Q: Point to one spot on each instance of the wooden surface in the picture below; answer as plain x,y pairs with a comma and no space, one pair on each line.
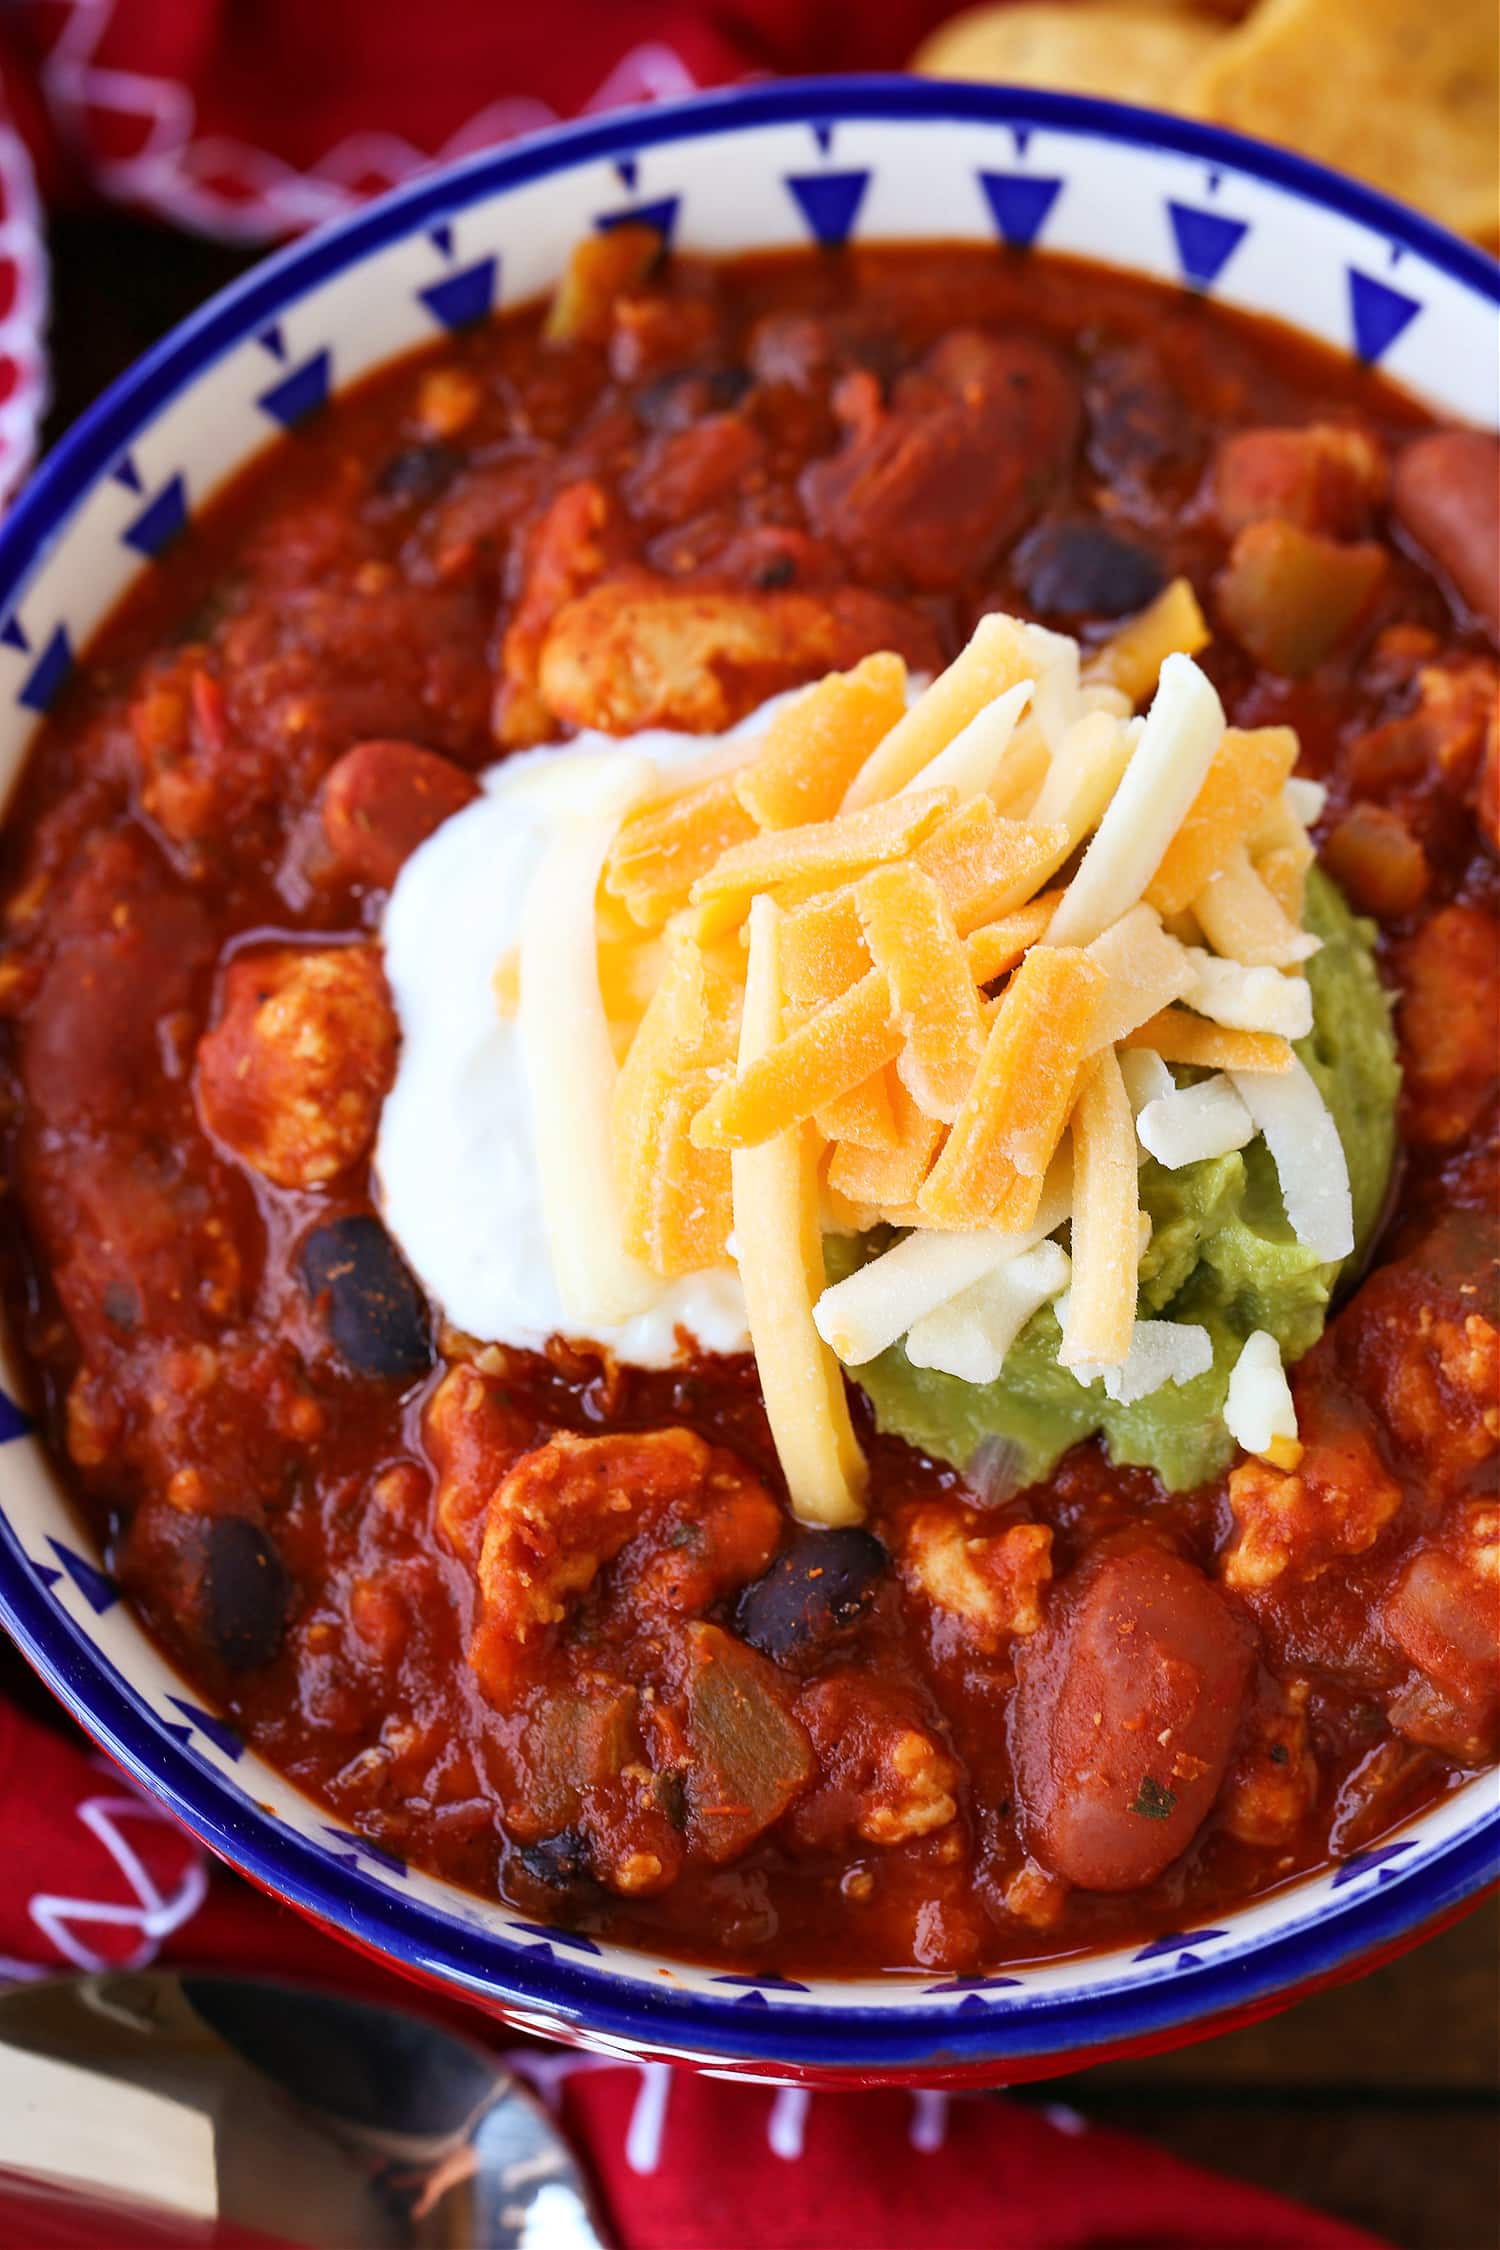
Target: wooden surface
1378,2101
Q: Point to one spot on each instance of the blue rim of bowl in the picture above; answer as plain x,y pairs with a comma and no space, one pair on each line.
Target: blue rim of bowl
487,1966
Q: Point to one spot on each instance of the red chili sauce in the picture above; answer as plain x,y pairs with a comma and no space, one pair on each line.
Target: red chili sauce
721,1734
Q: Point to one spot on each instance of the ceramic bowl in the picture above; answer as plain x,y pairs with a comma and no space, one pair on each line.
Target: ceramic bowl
824,162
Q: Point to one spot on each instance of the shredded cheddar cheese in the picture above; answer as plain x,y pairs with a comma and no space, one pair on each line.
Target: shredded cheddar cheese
928,966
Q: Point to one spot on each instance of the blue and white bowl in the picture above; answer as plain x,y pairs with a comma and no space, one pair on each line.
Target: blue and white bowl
870,160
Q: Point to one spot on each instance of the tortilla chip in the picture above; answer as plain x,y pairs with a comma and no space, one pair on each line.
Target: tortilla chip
1141,54
1403,93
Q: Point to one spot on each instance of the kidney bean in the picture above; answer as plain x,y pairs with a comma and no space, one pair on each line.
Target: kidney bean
812,1595
419,472
1447,497
382,800
1124,1717
377,1316
246,1592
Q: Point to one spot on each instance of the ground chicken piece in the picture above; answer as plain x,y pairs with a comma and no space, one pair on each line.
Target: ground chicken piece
1447,1019
637,653
1441,1391
882,1775
1273,1778
1441,737
181,747
991,1584
1336,1502
568,1507
565,553
473,1438
292,1076
1487,795
1035,1896
1441,1615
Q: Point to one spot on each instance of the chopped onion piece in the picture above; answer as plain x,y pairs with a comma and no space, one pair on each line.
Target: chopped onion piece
1244,999
860,1316
1258,1412
1193,1122
1183,729
1308,1154
970,1335
1161,1352
993,1470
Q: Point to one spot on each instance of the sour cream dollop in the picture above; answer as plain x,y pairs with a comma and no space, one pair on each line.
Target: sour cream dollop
456,1155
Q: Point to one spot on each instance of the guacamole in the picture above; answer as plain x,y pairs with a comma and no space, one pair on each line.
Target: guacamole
1221,1253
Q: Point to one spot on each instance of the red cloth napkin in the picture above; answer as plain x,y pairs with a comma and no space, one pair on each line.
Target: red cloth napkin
254,121
95,1876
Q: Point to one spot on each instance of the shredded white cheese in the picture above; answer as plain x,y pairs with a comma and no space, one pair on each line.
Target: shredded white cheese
970,1336
1194,1122
1304,800
1147,1078
1056,704
862,1315
1161,1352
975,759
1248,999
1183,729
1307,1152
1147,971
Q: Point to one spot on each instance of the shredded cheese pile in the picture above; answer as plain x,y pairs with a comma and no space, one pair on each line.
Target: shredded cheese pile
928,967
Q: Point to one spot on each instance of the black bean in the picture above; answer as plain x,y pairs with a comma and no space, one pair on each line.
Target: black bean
245,1592
377,1316
419,472
726,386
1086,570
674,402
560,1866
813,1594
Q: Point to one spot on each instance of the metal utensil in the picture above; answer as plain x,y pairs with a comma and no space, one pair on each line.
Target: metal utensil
281,2110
